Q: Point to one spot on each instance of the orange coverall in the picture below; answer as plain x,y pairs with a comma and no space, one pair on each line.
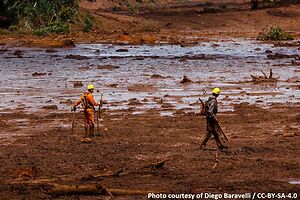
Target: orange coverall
89,108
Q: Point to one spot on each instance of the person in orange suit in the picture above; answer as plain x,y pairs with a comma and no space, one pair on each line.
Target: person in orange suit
88,104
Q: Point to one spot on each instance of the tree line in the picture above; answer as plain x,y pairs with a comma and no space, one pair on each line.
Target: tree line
38,15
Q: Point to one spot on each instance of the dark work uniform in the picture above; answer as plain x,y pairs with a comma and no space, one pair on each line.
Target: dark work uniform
211,123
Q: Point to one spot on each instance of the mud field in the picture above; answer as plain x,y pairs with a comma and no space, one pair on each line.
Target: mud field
152,66
150,129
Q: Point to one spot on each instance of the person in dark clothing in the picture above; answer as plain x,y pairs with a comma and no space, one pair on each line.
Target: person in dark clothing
212,126
254,4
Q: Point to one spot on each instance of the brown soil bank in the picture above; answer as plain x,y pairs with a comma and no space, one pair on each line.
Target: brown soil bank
181,25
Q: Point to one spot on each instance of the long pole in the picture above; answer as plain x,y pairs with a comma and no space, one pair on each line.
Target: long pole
98,116
73,121
219,127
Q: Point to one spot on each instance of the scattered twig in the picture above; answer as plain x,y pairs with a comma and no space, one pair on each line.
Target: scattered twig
264,73
216,162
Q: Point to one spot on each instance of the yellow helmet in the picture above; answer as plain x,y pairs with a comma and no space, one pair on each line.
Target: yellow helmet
90,87
216,91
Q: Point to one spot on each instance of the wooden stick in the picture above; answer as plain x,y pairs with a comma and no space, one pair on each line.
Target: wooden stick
271,74
264,74
216,162
63,190
93,189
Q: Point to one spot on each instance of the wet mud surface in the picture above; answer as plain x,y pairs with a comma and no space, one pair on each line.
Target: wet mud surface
150,117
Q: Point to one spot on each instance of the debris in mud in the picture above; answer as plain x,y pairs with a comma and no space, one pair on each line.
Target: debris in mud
76,57
195,57
216,162
51,50
167,105
291,131
295,63
133,101
55,189
26,173
159,76
215,45
268,51
3,50
67,101
50,107
157,165
39,74
122,50
264,78
142,88
290,135
182,60
186,80
282,56
113,85
108,67
77,84
68,190
86,140
18,53
68,43
293,80
84,68
156,76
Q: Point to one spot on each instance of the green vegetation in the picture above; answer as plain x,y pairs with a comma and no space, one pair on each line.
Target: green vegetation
274,33
88,23
56,27
40,16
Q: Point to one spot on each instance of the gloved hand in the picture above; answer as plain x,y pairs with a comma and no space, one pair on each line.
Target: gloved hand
73,108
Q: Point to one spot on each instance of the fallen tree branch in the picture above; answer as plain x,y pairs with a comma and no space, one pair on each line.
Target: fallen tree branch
64,190
264,78
93,189
56,190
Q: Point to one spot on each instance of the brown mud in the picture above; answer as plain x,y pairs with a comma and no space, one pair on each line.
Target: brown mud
150,129
262,154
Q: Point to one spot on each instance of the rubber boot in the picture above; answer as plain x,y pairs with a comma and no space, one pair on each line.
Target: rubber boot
86,131
92,130
219,143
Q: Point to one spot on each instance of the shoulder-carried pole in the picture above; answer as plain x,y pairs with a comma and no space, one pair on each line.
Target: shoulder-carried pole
73,121
98,116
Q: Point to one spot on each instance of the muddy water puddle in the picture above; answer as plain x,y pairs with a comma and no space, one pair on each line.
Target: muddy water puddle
151,74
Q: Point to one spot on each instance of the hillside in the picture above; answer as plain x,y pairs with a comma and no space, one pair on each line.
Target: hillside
178,22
